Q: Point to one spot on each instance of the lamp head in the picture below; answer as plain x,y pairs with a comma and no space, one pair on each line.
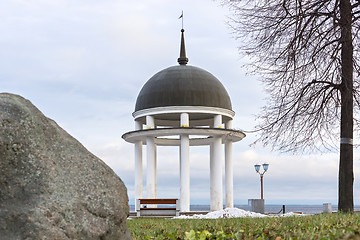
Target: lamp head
265,166
257,167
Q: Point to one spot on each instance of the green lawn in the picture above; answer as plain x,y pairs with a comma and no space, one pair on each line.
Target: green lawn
323,226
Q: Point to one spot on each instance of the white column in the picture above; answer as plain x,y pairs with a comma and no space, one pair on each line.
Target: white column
138,167
217,121
184,166
184,120
150,122
151,161
216,202
229,181
212,174
155,169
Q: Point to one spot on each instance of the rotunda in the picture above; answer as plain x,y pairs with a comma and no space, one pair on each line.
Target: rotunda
184,106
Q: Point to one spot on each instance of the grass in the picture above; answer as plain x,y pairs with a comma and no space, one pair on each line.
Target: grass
323,226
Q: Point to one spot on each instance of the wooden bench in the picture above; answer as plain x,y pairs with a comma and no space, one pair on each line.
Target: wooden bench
158,211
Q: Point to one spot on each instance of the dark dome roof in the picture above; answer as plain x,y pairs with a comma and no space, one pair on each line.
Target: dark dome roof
183,85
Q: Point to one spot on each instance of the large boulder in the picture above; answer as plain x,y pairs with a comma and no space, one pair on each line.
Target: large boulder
51,187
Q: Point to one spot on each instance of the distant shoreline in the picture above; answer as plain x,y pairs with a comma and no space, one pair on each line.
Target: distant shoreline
271,208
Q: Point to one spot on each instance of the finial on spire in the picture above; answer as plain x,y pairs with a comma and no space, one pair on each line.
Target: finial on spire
182,19
182,60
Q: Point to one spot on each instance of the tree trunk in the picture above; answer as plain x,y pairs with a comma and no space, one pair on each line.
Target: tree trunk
346,176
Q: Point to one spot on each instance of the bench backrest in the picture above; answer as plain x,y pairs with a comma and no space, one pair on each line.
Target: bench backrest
158,200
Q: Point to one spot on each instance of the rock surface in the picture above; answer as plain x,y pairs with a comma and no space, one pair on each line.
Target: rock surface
51,187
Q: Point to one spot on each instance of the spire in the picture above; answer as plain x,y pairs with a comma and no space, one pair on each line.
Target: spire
182,60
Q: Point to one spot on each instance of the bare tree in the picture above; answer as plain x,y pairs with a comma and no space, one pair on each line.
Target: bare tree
304,50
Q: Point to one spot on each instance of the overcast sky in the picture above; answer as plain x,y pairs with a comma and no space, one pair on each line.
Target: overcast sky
83,63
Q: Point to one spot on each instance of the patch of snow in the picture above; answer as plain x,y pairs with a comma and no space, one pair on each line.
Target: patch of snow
291,214
234,213
225,213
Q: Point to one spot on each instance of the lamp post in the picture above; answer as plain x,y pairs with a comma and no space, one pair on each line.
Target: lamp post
257,169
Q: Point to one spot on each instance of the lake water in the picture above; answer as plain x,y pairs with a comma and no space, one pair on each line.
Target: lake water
309,209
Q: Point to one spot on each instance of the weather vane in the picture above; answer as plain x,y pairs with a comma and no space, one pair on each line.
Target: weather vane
182,19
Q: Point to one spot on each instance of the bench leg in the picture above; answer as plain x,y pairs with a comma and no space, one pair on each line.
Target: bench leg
138,206
177,207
